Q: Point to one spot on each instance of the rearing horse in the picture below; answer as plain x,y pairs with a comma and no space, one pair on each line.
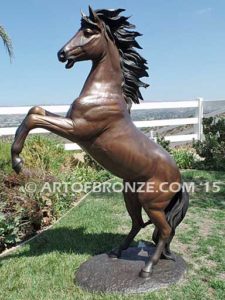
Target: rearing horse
99,121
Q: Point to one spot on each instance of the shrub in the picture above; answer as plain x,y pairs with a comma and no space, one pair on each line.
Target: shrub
43,153
184,159
89,161
40,152
212,149
20,216
163,142
22,213
9,228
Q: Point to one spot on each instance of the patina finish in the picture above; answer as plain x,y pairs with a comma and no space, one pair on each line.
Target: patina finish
99,121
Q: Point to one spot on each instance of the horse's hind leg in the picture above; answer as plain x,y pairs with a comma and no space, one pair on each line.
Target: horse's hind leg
134,209
166,254
155,210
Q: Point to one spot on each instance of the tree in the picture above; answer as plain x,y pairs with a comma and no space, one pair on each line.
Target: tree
7,41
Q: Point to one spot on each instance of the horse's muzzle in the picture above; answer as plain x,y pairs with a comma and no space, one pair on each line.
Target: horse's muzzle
62,56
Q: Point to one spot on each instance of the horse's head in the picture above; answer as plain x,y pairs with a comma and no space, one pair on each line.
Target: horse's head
105,31
87,44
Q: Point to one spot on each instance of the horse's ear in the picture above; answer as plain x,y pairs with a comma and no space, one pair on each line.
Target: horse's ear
82,14
93,16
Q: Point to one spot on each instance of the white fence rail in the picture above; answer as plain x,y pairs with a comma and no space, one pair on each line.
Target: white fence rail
196,121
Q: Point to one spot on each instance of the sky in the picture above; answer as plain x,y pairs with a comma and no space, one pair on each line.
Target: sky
183,42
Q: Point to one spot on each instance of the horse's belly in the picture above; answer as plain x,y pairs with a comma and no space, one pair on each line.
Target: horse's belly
128,153
122,158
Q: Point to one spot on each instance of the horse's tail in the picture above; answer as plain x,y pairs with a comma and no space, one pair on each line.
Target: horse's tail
175,212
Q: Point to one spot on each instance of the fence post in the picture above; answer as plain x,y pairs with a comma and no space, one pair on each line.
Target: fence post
153,136
199,127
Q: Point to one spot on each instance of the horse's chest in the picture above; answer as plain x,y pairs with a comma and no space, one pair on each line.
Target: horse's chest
76,112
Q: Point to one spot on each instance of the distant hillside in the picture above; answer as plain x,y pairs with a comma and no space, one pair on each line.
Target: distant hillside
211,108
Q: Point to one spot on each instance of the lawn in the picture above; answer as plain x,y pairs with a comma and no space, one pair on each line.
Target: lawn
44,268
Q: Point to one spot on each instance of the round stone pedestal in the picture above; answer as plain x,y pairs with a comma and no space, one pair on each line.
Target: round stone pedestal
104,274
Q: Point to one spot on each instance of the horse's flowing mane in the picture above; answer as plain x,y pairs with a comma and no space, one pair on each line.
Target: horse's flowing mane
132,63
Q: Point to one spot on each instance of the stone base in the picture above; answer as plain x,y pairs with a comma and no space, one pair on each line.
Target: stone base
104,274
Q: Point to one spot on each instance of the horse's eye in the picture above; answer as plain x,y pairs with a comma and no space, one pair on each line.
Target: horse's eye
88,32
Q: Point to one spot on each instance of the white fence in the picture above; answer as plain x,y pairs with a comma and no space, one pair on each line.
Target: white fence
196,121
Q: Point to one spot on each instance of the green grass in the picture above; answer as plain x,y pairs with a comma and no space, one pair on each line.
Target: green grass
5,159
44,268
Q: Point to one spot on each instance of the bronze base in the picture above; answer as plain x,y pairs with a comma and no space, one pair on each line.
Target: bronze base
103,274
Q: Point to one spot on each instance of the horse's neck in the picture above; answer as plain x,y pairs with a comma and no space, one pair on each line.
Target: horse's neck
105,77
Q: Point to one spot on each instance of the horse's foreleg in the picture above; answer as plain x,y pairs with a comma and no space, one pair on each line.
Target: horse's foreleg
38,111
61,126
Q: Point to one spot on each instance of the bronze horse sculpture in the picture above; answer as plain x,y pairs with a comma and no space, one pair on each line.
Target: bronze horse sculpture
99,121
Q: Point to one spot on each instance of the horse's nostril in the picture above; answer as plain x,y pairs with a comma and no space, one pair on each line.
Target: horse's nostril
62,56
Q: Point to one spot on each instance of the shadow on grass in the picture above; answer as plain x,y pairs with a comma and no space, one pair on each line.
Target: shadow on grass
66,240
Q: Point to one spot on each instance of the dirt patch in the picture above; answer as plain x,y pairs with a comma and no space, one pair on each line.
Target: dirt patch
184,250
221,276
205,226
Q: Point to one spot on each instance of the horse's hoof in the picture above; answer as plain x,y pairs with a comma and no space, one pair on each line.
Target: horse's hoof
17,164
114,254
168,255
144,274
